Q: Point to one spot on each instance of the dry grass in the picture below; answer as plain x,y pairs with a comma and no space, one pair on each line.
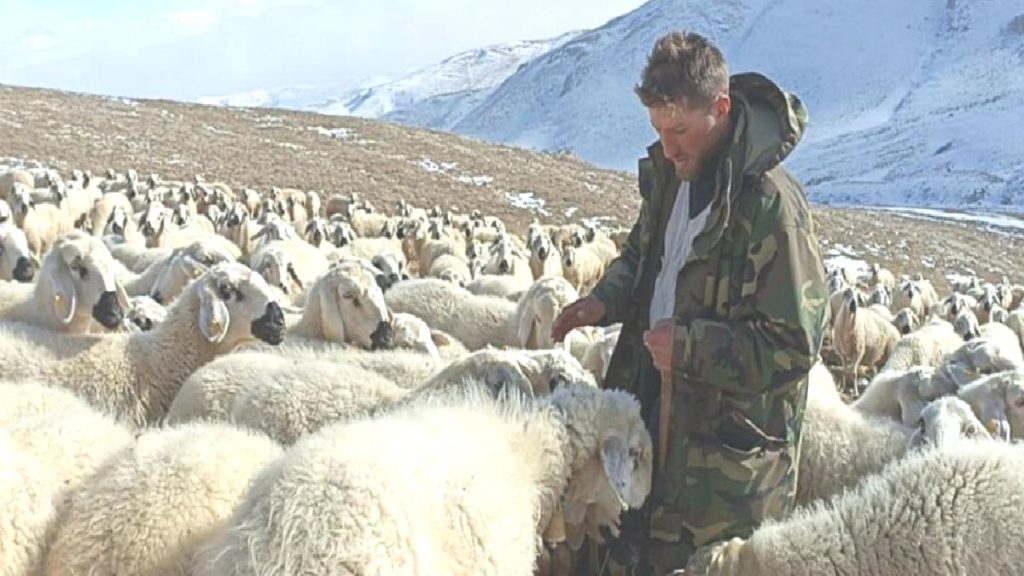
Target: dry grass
384,162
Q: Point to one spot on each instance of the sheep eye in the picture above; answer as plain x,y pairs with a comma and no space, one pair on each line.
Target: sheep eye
920,425
971,430
225,291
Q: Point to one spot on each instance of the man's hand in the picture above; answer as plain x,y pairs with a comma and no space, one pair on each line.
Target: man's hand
660,340
583,312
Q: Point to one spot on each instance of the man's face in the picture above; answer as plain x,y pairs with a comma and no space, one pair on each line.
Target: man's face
690,136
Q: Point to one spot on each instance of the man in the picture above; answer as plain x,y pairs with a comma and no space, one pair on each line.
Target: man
721,292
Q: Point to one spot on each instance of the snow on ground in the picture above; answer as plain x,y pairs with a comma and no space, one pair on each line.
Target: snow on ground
527,201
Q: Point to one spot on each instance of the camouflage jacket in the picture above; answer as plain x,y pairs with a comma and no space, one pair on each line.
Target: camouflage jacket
750,299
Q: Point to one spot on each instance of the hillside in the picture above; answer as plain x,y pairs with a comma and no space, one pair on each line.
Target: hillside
385,162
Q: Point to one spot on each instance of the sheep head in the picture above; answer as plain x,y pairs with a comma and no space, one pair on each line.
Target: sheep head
235,305
944,421
351,306
79,273
17,262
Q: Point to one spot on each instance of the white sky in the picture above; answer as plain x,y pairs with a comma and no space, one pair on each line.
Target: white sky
183,49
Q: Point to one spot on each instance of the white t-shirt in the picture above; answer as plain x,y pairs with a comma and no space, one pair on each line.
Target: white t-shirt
679,235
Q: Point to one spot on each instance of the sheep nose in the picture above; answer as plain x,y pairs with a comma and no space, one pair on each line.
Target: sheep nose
270,327
393,279
383,337
107,311
905,330
23,270
118,229
503,267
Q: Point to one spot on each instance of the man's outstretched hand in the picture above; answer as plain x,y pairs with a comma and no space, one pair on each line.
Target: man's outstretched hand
583,312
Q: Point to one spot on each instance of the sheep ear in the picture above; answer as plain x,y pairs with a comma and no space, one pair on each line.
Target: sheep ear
528,329
193,267
992,412
330,316
618,467
65,297
214,318
440,338
122,296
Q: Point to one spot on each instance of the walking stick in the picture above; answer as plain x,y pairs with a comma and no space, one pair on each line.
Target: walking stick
664,417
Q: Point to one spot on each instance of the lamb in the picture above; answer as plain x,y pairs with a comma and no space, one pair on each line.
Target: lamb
525,452
476,321
862,337
55,453
928,346
43,224
17,262
177,485
135,376
582,267
955,509
76,284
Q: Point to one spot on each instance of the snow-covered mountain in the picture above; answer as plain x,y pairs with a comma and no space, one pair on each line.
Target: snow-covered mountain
910,102
916,102
433,97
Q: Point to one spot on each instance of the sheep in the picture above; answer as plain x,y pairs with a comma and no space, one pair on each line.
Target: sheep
497,285
598,356
121,224
143,314
332,482
880,296
368,225
17,262
840,444
967,327
12,177
291,265
883,278
57,452
583,267
955,509
152,506
1015,322
928,346
346,306
909,295
476,321
135,376
76,284
392,269
906,321
545,257
451,268
101,210
43,224
998,398
161,232
210,392
184,265
506,258
136,259
298,399
542,303
898,394
413,333
862,336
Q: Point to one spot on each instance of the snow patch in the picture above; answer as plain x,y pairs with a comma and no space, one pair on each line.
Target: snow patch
527,201
475,180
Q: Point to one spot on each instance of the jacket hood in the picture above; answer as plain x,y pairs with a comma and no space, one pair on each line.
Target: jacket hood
774,121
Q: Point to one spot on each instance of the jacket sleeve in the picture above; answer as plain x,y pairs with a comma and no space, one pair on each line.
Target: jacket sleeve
615,288
776,339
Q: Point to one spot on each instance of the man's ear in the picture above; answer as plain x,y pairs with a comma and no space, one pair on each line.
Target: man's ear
721,107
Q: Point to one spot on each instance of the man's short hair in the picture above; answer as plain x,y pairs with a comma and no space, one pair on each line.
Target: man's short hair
683,67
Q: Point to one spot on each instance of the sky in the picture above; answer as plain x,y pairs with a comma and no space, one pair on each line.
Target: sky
184,49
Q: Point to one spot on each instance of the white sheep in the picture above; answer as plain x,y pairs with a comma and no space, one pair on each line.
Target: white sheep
898,394
60,442
183,266
906,321
150,508
862,336
545,257
136,376
927,346
12,176
451,268
42,223
392,269
582,267
955,509
17,262
104,206
506,466
476,321
882,277
542,302
413,333
291,265
76,284
998,399
497,285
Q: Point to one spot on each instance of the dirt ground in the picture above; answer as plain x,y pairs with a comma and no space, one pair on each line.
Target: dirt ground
384,162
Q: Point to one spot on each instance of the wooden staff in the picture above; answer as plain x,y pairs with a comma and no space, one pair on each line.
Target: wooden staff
664,417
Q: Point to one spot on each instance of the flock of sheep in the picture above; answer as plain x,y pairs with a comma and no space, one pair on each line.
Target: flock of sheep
208,381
